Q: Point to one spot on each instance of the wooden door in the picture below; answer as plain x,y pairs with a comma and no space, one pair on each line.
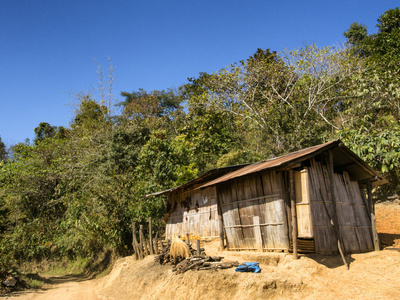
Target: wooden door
303,210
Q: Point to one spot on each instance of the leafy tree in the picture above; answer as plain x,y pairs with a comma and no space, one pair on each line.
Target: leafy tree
3,150
141,104
356,33
373,132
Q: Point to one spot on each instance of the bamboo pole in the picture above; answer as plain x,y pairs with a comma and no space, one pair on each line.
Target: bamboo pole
373,220
293,212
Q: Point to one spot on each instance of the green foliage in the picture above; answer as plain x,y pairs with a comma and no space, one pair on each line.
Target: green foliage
356,33
75,191
237,157
3,151
379,147
389,21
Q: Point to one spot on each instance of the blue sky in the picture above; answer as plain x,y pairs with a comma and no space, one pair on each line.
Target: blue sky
47,48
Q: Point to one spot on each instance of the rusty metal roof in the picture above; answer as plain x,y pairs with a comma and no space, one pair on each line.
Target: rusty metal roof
296,157
209,175
343,158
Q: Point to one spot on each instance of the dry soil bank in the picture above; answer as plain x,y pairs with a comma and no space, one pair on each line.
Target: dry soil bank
374,275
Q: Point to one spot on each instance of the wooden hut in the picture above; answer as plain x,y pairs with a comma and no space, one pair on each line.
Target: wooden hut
314,200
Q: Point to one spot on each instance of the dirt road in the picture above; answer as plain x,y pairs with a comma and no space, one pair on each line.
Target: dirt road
63,288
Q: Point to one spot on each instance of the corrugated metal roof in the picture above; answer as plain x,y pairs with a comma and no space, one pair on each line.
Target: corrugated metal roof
288,159
343,158
209,175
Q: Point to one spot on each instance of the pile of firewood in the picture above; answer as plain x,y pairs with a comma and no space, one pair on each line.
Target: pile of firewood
198,260
203,263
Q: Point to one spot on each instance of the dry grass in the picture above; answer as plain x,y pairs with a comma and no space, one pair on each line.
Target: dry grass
179,248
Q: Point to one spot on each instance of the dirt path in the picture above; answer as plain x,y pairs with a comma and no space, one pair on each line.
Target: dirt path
63,288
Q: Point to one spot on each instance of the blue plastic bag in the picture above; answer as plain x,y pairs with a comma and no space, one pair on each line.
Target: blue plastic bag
249,267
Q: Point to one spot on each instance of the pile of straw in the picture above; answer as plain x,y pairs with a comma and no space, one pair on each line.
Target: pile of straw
179,248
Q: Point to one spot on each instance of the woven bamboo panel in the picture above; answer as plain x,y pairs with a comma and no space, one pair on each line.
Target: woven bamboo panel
195,213
253,212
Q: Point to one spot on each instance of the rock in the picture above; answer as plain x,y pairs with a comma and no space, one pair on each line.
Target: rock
10,281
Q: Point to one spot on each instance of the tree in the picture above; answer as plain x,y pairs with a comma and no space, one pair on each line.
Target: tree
142,104
3,150
356,33
283,95
373,132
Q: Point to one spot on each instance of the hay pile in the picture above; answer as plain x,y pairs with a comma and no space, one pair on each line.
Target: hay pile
179,248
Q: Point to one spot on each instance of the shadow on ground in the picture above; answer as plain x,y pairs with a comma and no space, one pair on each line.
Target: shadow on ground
388,239
331,261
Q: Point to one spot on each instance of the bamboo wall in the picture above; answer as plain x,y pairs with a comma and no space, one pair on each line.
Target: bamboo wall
253,211
353,217
202,222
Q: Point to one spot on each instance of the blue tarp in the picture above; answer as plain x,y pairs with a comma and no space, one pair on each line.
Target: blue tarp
249,267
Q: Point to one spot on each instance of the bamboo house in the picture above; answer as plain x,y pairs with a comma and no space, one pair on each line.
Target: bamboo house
314,200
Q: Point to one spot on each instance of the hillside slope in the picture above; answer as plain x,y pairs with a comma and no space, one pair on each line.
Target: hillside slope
374,275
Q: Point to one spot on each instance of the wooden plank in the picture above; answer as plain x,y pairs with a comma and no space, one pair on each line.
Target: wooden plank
150,237
344,215
253,225
303,211
334,218
224,196
221,224
267,212
280,212
373,221
293,211
257,233
324,237
244,219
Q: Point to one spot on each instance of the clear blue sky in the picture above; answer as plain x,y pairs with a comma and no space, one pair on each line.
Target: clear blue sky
47,47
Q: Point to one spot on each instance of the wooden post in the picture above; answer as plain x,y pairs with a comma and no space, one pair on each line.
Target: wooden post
143,241
150,237
135,243
155,242
334,214
220,223
198,247
373,221
187,239
293,212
